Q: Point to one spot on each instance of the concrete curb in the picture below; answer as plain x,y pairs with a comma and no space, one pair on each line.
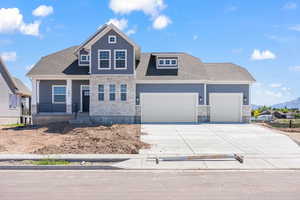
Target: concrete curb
55,167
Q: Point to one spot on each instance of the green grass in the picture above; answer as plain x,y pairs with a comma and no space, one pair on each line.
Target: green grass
14,125
50,162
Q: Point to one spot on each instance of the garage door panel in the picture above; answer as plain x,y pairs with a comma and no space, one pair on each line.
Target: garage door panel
168,107
225,107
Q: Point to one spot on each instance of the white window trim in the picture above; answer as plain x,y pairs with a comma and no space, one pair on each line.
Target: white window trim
112,36
85,55
17,105
123,92
167,66
125,50
80,60
109,59
109,92
53,102
101,93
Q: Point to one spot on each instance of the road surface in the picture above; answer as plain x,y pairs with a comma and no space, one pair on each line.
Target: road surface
105,185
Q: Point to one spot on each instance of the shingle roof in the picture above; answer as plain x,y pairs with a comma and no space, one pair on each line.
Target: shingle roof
65,62
22,89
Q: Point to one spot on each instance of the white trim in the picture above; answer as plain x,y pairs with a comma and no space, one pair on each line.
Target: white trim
109,59
167,66
53,102
205,96
115,50
81,88
69,96
38,91
191,81
112,36
90,63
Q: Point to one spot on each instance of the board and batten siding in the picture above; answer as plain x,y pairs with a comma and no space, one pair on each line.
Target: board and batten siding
103,44
228,88
76,92
171,88
45,104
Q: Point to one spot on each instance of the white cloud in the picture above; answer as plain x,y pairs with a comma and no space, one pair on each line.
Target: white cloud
8,56
119,23
262,55
295,27
275,85
295,68
42,11
11,20
149,7
195,37
131,32
290,6
29,67
161,22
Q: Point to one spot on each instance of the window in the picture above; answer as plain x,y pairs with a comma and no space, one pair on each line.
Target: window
104,59
123,90
85,58
120,59
161,61
101,92
112,92
59,94
112,39
13,101
167,61
173,62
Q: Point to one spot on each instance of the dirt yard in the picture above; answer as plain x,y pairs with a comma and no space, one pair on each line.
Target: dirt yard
63,138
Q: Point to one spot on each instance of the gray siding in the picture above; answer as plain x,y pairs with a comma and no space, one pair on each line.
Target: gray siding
45,104
228,88
76,92
171,88
102,43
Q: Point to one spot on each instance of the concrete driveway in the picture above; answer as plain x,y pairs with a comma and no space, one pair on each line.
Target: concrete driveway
246,139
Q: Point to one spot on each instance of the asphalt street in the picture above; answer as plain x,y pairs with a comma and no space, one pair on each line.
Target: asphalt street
158,185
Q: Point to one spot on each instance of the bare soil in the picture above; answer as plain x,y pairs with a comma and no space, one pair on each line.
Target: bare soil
63,138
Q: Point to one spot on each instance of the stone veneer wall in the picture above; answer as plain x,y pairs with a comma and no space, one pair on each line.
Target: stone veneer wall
246,114
109,112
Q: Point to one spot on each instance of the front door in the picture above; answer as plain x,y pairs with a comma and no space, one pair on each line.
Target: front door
85,92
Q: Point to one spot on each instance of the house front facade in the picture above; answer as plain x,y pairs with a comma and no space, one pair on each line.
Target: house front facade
109,80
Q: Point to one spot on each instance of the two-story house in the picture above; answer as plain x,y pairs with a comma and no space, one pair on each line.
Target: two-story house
109,79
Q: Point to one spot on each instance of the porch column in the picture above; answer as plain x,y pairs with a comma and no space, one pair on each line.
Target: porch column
35,96
69,96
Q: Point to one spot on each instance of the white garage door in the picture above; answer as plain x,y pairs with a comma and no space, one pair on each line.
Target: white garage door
225,107
168,107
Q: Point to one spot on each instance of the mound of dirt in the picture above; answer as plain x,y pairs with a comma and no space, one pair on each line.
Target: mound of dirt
116,139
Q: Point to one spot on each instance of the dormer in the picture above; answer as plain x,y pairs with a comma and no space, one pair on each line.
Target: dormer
83,58
167,62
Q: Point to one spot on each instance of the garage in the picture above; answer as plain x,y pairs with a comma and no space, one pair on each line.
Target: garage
168,107
225,107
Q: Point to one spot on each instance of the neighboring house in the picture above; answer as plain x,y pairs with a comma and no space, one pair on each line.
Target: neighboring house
112,81
14,98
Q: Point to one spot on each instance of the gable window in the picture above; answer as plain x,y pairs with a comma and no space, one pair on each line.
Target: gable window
58,94
161,61
120,59
101,92
112,92
123,92
84,58
104,59
167,62
112,39
13,101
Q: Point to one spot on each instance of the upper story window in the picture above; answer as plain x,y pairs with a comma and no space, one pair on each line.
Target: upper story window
101,92
121,59
104,59
58,94
112,92
112,39
167,63
84,58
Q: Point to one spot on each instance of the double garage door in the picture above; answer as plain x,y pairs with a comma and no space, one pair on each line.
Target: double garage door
182,107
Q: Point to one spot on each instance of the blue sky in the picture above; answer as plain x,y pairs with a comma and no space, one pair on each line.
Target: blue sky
262,36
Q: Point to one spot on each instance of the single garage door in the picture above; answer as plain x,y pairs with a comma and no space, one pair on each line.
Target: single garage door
168,107
225,107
